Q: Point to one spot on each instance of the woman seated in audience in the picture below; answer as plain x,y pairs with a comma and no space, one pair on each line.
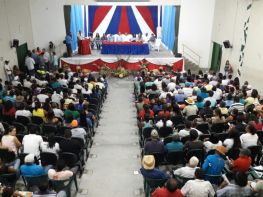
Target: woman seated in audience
46,105
229,100
163,122
51,145
154,90
200,74
193,142
207,109
218,118
9,109
252,99
83,121
94,93
168,98
147,123
68,120
250,138
252,119
212,143
163,112
200,120
71,110
38,111
88,114
233,141
233,116
175,111
16,70
51,120
158,107
86,90
199,104
10,139
222,107
145,110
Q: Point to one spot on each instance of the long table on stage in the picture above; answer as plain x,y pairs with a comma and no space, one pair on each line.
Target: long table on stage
84,47
133,48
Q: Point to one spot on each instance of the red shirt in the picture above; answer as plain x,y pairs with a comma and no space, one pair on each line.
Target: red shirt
141,114
242,164
145,100
12,111
167,113
163,192
258,127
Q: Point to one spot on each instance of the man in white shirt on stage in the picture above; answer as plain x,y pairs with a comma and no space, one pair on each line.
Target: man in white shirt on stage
119,38
80,36
146,37
126,37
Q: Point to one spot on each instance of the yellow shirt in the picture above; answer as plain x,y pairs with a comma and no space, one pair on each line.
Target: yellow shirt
93,83
90,86
39,112
249,101
101,85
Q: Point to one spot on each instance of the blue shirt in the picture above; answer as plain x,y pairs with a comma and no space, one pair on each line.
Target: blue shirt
119,38
157,108
154,174
32,170
173,146
222,87
111,38
56,85
242,101
229,103
203,95
10,98
199,105
68,39
35,57
198,91
211,166
179,97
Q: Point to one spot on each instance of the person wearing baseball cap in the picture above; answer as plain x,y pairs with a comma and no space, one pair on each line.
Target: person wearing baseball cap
239,188
149,171
242,163
214,164
78,132
154,145
30,168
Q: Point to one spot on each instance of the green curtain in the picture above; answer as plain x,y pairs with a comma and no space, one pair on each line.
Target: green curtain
67,17
177,19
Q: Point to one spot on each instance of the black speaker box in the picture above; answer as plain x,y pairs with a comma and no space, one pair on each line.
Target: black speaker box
227,44
178,55
15,43
65,54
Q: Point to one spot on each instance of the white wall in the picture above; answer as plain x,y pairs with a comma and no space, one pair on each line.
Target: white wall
15,23
48,23
94,2
195,30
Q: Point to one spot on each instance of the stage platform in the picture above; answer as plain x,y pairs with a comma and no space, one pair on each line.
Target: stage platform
155,58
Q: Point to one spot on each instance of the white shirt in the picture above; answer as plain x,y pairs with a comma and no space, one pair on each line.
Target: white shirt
79,132
209,145
77,86
190,110
198,188
84,91
25,113
213,83
32,143
171,86
225,82
8,68
46,56
126,38
56,98
30,63
63,82
42,82
15,83
42,97
44,147
158,84
248,140
27,84
163,95
146,38
186,172
159,124
80,36
211,99
183,132
188,92
58,113
228,143
119,38
217,95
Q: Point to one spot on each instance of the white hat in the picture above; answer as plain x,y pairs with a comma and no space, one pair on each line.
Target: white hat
193,162
29,158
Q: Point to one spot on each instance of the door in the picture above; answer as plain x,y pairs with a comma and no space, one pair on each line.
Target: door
21,52
216,57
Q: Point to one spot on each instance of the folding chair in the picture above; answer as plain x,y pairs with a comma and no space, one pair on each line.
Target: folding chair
159,158
223,136
8,118
10,179
175,157
48,158
31,181
152,184
255,150
19,127
233,153
204,128
182,180
202,137
184,139
177,120
63,129
49,129
37,120
83,144
167,140
218,127
23,120
199,153
165,131
192,117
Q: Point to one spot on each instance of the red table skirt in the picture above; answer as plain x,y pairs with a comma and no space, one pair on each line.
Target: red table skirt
129,43
84,47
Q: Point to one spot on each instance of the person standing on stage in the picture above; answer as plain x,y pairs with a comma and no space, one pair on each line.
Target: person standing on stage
80,36
68,44
46,58
119,37
111,37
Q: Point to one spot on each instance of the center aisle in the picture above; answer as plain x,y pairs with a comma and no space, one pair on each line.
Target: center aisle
113,156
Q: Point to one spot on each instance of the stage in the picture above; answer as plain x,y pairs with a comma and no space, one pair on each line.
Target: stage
156,59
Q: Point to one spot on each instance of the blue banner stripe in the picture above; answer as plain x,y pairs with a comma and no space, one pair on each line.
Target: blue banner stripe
161,16
85,22
154,13
115,21
134,26
92,11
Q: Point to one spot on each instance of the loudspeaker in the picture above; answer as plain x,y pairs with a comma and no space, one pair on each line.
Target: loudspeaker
178,55
227,44
65,54
15,43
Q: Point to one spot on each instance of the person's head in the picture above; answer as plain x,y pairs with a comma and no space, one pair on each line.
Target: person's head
251,129
11,130
61,164
68,133
146,117
210,93
229,97
245,153
8,105
69,118
43,185
50,115
119,33
234,112
254,93
33,130
240,178
171,185
199,174
71,107
234,134
218,112
207,104
148,162
6,62
8,192
176,109
176,137
187,124
154,134
30,159
214,138
193,162
54,105
193,134
199,99
236,99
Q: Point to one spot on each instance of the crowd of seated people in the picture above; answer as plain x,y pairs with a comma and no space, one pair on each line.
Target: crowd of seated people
213,120
57,117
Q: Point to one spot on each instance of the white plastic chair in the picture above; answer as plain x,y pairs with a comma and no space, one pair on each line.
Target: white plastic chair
157,44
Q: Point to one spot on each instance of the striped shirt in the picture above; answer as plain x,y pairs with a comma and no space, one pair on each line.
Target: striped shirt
234,190
239,106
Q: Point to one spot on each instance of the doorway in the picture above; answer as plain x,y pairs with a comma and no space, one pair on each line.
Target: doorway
216,57
21,52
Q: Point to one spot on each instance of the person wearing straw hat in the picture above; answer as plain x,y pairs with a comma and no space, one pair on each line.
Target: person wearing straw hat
191,108
238,189
214,164
149,171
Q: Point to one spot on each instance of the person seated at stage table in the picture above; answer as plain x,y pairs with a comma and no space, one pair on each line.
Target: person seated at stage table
146,37
151,42
98,41
80,36
140,38
111,37
104,38
126,37
119,38
92,41
133,39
